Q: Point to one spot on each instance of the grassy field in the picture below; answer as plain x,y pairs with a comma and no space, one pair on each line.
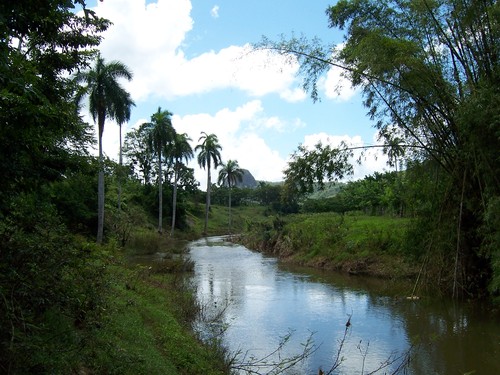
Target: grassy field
218,220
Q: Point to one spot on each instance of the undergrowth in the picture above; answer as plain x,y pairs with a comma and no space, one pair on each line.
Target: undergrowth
355,243
146,326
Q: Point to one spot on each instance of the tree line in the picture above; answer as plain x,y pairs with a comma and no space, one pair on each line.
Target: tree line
430,77
56,198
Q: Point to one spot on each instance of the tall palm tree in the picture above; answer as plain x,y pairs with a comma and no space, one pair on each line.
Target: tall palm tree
181,150
209,152
160,137
229,175
107,100
122,116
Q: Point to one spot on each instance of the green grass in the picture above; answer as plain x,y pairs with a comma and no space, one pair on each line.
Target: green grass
146,329
218,219
353,242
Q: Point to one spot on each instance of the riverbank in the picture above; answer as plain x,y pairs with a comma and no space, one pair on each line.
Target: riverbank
355,244
145,327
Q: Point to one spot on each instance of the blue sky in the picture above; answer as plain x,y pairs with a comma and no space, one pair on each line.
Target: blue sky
194,58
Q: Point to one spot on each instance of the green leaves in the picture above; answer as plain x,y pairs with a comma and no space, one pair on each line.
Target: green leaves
310,168
230,174
429,74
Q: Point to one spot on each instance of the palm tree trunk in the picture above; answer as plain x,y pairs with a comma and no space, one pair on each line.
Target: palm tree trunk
207,207
120,162
229,203
174,200
160,195
100,189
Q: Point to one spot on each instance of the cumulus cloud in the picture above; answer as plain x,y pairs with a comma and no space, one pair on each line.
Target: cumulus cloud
233,128
335,84
293,95
214,12
149,39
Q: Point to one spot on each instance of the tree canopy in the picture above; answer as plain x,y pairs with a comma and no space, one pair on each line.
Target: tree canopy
107,100
430,78
43,268
208,156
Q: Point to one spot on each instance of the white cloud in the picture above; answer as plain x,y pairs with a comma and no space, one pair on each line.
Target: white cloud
336,86
215,11
149,39
293,95
240,67
234,132
274,122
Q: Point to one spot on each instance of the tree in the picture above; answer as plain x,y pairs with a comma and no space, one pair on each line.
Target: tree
181,150
229,175
139,155
308,168
123,115
269,194
44,269
107,100
208,153
160,135
429,70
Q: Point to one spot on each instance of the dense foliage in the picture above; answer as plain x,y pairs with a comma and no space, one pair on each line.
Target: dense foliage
430,77
433,89
49,278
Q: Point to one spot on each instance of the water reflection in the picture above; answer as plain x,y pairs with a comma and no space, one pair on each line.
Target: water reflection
263,302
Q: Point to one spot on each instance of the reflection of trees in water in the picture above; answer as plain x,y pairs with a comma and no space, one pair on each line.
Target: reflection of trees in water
449,337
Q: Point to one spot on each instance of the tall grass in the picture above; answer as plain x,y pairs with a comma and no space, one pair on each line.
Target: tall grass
354,243
146,328
218,220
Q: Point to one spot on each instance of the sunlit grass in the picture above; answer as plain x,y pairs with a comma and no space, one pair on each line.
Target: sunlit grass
355,242
218,219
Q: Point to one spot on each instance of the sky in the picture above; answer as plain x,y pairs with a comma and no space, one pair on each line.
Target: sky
194,58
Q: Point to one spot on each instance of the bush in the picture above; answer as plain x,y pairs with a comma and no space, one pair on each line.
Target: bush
51,284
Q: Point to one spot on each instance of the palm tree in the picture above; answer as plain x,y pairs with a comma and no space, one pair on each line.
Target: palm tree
122,116
181,149
160,137
229,175
107,100
209,152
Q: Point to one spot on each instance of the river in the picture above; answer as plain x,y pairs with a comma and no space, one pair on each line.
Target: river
266,314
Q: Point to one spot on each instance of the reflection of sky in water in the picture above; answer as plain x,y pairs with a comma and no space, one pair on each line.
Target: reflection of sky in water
265,303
